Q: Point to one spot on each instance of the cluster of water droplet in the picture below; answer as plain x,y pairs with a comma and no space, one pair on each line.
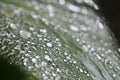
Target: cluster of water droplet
58,40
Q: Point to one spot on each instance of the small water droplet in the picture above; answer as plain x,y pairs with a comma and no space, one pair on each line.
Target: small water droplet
62,2
18,47
118,49
13,26
114,75
65,60
98,56
43,30
50,10
34,60
81,70
43,63
47,58
101,26
67,57
65,54
25,34
58,70
74,28
53,74
88,74
49,44
74,62
73,8
31,28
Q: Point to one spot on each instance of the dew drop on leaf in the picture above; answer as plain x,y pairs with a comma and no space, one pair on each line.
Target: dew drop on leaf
13,26
25,34
62,2
47,57
49,44
34,60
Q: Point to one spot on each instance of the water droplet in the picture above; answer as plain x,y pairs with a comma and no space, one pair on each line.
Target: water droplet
74,28
65,60
62,2
53,74
13,26
73,8
47,58
43,30
50,10
31,28
25,34
101,26
58,70
49,44
74,62
114,75
98,56
18,47
88,74
118,49
35,16
67,57
81,70
34,60
43,63
17,11
65,54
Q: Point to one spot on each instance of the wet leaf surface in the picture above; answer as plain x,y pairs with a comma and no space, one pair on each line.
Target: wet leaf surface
58,40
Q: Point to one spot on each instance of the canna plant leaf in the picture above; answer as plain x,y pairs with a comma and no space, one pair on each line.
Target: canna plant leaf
56,40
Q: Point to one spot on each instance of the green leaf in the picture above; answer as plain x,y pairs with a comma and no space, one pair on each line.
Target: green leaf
56,40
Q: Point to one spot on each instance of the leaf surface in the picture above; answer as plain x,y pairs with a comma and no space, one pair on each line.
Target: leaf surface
58,40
